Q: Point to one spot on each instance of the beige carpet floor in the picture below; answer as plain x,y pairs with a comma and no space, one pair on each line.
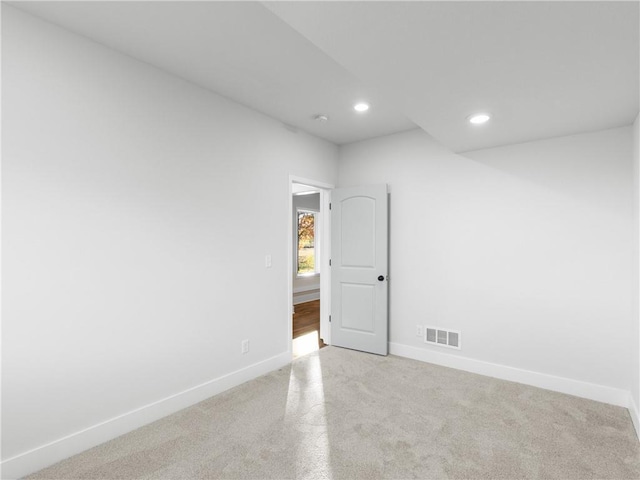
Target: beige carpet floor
346,415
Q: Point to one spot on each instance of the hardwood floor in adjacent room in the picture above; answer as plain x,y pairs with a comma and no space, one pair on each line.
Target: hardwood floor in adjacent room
306,328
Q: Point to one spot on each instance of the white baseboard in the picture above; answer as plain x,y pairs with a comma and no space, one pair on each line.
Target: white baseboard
635,415
591,391
307,297
58,450
306,288
307,293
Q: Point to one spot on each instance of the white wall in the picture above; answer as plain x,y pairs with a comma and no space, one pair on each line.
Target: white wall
305,288
526,249
137,210
635,331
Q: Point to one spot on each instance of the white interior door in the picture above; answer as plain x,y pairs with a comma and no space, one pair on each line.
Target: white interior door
359,268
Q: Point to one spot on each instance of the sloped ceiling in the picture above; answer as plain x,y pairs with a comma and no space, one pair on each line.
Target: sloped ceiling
239,50
541,69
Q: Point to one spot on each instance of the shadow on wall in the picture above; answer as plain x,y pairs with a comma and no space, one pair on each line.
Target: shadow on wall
585,170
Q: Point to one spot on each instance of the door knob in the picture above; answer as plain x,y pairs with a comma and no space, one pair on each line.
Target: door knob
380,278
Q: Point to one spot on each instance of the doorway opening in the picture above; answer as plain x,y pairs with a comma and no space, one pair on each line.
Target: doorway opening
309,293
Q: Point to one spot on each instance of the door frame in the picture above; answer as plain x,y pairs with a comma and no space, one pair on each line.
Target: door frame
325,256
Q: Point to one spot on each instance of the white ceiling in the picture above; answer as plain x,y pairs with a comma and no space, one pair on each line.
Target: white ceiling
542,69
240,50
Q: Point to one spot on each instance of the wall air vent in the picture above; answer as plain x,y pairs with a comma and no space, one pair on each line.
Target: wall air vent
441,337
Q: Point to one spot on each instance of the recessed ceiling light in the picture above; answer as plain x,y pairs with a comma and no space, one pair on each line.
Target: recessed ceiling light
479,118
361,107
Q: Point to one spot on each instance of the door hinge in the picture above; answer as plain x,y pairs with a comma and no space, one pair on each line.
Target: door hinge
329,262
329,205
329,318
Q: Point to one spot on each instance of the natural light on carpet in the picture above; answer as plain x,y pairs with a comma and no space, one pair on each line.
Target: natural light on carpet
306,415
305,344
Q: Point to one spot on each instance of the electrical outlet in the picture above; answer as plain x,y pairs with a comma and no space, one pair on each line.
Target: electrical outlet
419,331
244,346
267,261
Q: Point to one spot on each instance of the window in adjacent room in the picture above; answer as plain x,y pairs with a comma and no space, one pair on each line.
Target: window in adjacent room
307,243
